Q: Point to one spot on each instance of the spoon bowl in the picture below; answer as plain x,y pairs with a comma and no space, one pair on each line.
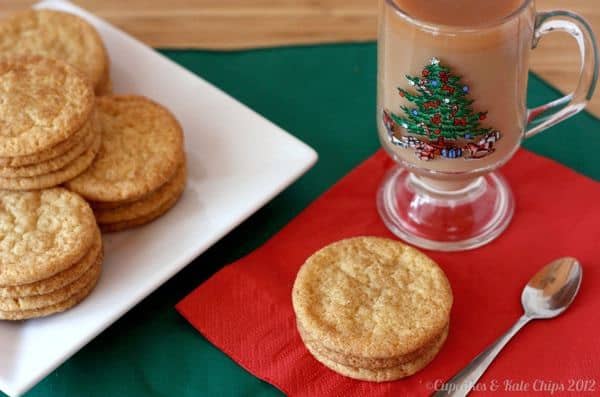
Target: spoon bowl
552,290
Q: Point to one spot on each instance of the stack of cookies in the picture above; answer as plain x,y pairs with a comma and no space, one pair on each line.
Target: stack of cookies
125,153
50,245
47,129
140,170
372,309
58,35
50,252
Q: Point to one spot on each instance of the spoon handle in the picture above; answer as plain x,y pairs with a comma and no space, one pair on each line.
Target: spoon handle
462,383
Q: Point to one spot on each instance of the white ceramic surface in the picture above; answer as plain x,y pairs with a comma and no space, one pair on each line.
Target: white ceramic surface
228,181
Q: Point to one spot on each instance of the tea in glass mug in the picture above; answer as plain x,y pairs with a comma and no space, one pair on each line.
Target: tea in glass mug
451,109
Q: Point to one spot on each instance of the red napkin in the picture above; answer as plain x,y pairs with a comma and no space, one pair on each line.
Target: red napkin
245,309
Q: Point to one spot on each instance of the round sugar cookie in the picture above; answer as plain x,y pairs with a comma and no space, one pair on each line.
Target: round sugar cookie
33,302
372,297
57,35
59,280
55,178
142,147
53,152
57,163
52,309
383,374
146,205
42,103
42,234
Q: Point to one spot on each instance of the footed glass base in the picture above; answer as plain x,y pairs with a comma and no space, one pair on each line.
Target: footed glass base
445,220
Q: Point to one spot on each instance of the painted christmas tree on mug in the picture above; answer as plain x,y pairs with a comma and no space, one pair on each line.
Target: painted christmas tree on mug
442,122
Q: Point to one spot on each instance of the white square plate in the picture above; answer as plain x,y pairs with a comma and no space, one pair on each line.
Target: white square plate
228,181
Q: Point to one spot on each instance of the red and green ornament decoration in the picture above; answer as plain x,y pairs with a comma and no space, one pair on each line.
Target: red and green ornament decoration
442,122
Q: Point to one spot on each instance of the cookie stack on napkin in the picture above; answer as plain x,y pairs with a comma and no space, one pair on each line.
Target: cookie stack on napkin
140,171
372,309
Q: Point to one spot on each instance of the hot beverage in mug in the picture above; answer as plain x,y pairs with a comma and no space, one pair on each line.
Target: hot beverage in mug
452,86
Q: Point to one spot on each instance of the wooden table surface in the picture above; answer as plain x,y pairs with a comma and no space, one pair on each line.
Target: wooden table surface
240,24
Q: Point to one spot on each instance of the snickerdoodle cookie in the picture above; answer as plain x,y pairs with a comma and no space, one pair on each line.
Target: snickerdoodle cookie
42,234
50,252
43,102
372,308
58,35
140,171
142,148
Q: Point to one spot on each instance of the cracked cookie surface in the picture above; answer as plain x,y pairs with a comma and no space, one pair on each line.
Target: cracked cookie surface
42,233
142,147
42,103
57,35
372,297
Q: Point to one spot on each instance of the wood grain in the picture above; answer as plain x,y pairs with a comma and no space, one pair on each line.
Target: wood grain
241,24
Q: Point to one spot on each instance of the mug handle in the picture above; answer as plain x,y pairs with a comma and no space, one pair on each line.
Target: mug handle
550,114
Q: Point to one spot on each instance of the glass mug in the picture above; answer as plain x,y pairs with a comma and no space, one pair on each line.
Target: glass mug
451,109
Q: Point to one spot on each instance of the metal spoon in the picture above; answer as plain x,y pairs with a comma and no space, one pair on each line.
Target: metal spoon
548,294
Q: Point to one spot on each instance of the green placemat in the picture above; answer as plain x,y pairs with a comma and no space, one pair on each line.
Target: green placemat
325,95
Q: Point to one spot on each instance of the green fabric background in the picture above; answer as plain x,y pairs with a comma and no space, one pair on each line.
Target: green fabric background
324,95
